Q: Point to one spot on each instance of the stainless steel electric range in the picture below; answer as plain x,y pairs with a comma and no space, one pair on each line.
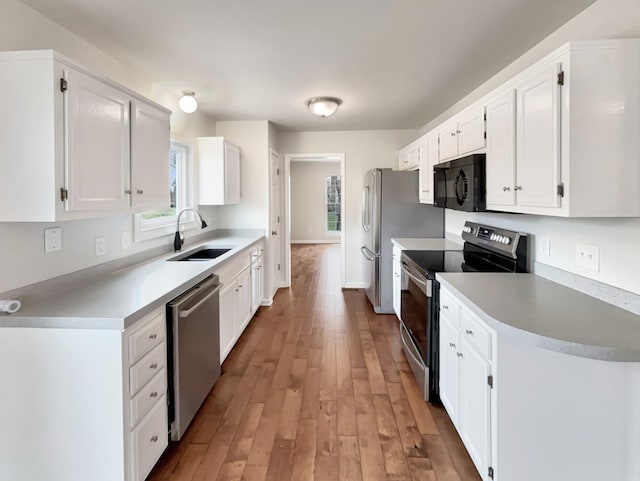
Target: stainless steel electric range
486,249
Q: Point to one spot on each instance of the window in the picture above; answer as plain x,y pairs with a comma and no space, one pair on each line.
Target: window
149,225
334,198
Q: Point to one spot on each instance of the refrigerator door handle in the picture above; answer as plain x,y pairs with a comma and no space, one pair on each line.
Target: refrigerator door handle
365,209
370,256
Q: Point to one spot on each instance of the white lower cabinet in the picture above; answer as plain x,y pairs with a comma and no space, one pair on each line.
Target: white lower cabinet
397,280
94,407
465,378
240,296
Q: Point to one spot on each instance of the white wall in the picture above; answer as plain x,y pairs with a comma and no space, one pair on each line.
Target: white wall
22,247
253,210
617,238
364,150
308,201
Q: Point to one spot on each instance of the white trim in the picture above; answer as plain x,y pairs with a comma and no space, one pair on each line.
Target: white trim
324,241
329,157
354,285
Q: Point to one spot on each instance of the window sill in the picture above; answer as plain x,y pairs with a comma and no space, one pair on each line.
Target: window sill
154,232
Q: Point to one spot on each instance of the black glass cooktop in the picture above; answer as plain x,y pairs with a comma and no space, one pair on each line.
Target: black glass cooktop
430,262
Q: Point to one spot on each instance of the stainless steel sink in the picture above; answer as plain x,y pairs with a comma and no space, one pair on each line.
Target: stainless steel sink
204,253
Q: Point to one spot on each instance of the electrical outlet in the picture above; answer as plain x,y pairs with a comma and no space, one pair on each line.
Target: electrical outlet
53,239
101,246
543,246
125,240
588,256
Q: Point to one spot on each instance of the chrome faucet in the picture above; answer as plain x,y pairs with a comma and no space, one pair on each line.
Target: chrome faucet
178,240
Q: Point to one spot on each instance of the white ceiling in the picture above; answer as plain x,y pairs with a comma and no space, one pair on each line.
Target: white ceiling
395,63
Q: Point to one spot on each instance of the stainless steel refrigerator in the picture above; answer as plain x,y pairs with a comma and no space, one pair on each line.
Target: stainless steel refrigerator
390,208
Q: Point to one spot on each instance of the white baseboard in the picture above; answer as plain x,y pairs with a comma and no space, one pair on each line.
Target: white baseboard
337,241
266,302
354,285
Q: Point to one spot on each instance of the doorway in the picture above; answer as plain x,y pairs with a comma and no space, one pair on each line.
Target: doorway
326,196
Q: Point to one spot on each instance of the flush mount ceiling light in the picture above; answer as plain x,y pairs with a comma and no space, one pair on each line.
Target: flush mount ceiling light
323,106
188,103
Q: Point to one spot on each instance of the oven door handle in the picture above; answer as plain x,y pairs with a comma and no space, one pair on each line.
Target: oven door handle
424,284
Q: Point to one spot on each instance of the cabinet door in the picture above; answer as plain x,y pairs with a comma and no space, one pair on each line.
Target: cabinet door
448,135
538,163
97,145
243,301
403,159
150,141
428,158
471,131
231,174
413,156
475,404
227,319
397,283
501,149
449,369
255,286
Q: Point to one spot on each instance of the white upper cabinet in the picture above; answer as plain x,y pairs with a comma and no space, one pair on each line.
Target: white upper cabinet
150,144
463,134
71,142
538,163
97,160
409,157
218,171
428,146
501,150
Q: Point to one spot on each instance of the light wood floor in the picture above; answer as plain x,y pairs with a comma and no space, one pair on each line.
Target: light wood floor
317,388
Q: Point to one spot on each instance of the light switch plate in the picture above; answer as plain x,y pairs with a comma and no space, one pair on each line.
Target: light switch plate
101,246
53,239
125,240
588,256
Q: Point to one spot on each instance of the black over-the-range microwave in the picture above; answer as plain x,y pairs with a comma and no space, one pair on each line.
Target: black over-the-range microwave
461,184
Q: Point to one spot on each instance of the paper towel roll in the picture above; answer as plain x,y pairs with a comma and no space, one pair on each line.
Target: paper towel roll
10,305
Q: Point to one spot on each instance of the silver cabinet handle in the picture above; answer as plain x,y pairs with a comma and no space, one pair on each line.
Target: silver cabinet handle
370,256
506,189
459,354
469,331
154,438
154,365
154,394
273,232
128,191
517,187
451,344
453,134
153,336
444,306
140,191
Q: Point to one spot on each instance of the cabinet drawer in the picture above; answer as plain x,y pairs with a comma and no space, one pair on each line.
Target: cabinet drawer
147,367
147,337
473,330
149,440
449,307
142,403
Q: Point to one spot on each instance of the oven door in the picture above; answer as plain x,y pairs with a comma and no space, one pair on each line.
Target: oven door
414,302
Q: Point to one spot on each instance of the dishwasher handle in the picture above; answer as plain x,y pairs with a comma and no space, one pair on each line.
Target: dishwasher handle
188,312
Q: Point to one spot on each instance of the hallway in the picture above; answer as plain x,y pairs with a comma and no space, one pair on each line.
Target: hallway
317,388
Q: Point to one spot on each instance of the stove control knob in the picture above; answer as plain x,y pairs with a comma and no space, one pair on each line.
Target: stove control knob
499,238
493,237
507,241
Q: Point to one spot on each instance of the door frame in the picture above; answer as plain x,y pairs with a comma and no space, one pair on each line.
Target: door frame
333,157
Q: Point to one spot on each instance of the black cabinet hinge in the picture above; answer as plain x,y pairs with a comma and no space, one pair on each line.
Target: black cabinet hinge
560,189
561,78
485,135
485,116
490,472
277,171
490,381
63,85
64,194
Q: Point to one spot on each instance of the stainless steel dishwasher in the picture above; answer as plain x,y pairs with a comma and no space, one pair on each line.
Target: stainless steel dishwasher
193,351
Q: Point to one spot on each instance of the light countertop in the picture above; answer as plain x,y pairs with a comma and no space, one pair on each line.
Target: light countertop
426,244
548,315
118,299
